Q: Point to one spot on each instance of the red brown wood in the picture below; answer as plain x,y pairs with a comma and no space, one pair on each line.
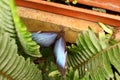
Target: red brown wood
113,5
71,11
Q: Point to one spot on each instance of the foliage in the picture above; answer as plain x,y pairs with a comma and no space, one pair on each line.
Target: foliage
14,38
94,57
13,66
11,23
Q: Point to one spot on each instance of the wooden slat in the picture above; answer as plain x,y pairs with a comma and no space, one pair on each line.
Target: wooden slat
113,5
71,11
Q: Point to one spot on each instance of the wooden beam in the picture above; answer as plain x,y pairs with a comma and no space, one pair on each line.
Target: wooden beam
71,11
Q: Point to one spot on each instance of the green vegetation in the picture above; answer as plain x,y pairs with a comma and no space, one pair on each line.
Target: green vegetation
11,24
92,57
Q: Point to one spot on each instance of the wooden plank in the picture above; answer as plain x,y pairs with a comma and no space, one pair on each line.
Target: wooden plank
113,5
71,11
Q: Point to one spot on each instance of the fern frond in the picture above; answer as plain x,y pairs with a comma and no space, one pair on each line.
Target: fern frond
13,66
11,23
117,76
94,56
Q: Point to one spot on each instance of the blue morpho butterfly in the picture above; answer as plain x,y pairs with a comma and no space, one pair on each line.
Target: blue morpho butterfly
60,55
44,39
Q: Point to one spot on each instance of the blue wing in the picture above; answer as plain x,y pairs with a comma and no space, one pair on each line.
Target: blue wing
60,54
44,39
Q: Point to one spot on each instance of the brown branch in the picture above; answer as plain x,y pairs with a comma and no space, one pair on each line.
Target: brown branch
6,76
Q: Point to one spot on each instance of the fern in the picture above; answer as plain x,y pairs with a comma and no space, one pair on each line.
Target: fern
13,66
117,76
11,23
94,56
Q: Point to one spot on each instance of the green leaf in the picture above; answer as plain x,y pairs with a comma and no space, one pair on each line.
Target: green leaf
11,23
13,66
117,76
74,1
76,75
94,56
108,30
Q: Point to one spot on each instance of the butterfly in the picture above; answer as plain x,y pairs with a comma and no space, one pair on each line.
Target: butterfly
60,55
46,39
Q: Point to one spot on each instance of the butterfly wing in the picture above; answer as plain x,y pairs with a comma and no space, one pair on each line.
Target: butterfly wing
44,39
60,55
